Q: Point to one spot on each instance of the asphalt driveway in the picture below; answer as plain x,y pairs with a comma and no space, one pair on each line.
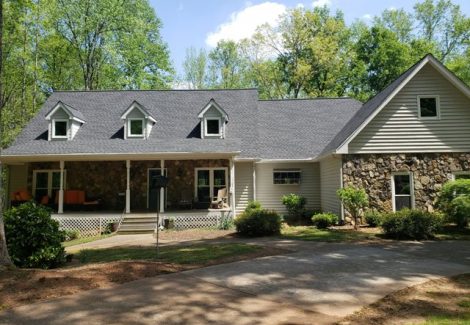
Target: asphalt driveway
316,284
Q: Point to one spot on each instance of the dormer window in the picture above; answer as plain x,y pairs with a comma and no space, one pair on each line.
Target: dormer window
64,122
138,122
135,127
213,119
212,127
59,128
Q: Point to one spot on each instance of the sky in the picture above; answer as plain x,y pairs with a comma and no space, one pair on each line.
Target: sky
202,23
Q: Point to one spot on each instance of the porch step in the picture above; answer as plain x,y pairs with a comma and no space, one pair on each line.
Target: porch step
138,224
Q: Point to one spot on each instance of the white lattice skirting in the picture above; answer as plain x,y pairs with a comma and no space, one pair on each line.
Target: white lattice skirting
210,220
86,226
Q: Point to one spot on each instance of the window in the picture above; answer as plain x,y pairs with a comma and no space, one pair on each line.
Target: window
135,128
402,191
59,128
209,181
286,177
46,182
212,126
428,107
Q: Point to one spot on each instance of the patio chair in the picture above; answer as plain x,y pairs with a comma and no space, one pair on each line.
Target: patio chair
186,200
220,201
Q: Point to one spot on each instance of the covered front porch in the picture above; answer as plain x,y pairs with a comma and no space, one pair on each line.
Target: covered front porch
127,186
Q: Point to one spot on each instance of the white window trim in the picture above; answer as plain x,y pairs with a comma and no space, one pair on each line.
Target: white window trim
412,189
438,108
49,179
54,136
211,179
206,134
287,171
460,172
129,134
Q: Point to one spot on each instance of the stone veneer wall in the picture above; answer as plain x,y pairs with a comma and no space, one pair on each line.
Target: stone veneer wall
106,179
430,171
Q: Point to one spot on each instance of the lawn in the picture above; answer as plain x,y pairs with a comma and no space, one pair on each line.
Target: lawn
84,240
444,301
197,254
453,233
311,233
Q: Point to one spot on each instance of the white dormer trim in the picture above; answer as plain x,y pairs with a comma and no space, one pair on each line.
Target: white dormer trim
61,105
213,103
136,105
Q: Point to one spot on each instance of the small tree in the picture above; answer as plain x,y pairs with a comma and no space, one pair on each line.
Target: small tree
295,205
354,200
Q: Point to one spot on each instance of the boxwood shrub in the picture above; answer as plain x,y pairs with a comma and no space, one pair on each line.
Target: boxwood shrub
258,222
33,237
411,224
324,220
454,201
373,218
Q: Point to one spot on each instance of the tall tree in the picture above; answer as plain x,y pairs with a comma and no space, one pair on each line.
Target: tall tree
195,68
4,256
227,67
398,21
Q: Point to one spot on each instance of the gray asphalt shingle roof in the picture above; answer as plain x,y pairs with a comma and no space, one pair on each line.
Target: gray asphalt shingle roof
278,129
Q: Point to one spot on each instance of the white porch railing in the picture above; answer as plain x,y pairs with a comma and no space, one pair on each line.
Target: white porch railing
87,226
193,221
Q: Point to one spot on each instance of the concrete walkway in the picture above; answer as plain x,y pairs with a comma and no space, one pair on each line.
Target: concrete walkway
316,284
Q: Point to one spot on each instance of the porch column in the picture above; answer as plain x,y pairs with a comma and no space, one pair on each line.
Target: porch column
61,188
232,186
128,186
162,190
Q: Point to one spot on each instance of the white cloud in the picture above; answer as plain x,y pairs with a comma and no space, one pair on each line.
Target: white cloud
321,3
243,24
367,17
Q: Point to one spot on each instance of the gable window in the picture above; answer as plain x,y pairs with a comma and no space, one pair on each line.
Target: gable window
428,107
402,191
212,126
135,128
59,128
286,177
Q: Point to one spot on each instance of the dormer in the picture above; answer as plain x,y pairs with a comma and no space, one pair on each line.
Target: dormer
213,119
64,122
137,122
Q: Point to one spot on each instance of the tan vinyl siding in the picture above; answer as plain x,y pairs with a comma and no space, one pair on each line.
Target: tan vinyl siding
270,195
330,179
18,179
243,185
135,113
397,127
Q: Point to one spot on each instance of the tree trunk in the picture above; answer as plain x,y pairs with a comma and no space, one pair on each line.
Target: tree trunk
4,256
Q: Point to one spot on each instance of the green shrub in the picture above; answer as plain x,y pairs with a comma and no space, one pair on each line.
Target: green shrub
225,224
295,205
324,220
411,224
258,222
253,205
33,237
71,234
454,201
354,200
373,218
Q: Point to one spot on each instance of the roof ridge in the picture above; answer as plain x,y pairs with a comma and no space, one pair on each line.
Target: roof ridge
299,99
151,90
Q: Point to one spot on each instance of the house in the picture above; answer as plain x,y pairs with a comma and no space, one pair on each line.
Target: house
401,146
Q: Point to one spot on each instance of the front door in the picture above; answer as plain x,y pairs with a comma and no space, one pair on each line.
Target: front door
153,195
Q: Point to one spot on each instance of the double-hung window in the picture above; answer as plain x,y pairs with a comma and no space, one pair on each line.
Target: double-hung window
287,177
402,191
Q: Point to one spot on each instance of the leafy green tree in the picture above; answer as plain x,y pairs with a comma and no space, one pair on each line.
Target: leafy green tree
355,200
398,21
227,67
195,68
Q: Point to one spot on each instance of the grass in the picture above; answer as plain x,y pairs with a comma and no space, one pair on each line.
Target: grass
453,233
462,319
84,240
196,254
328,235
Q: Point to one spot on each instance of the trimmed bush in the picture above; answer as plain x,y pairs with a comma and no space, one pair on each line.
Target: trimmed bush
454,201
295,205
324,220
258,222
355,200
33,237
411,224
373,218
71,235
253,205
